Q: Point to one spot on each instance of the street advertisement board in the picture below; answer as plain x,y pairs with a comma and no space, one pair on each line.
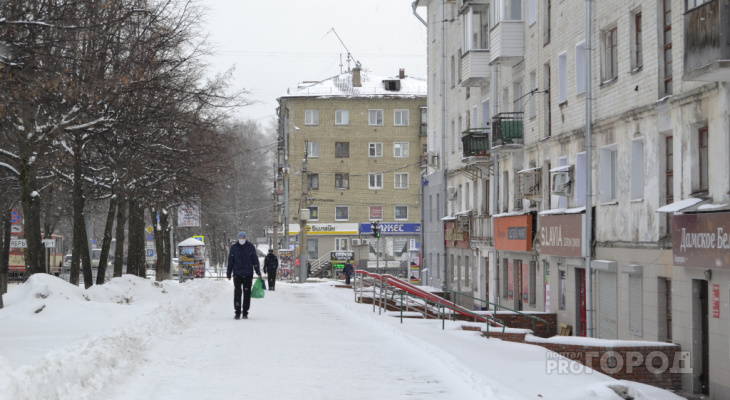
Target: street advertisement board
287,263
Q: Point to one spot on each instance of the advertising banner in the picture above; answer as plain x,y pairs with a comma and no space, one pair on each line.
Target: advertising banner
701,240
513,233
188,215
562,235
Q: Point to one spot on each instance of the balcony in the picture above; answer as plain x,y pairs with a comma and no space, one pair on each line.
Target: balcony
706,45
507,129
507,43
475,68
476,142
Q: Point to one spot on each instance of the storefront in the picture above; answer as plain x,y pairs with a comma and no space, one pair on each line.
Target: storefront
561,238
395,250
517,266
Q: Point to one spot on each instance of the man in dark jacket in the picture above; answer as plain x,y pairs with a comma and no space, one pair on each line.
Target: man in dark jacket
242,261
349,270
271,264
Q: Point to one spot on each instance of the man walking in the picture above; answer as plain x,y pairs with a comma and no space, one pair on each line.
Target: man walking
271,264
242,261
349,270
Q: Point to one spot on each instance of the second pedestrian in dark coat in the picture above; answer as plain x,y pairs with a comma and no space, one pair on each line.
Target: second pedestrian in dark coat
349,270
271,264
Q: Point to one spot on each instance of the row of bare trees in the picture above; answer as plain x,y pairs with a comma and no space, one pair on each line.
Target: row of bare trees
106,100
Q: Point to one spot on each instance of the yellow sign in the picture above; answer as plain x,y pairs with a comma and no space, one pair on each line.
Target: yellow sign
148,228
201,238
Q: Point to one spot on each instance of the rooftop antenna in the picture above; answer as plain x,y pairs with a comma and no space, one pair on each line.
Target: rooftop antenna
349,55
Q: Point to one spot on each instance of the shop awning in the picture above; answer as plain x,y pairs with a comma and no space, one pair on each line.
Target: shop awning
680,205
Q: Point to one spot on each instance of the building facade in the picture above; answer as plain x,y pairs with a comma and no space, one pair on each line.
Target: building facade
359,136
641,254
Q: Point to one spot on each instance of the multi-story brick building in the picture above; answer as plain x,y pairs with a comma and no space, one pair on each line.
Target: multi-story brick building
508,129
362,135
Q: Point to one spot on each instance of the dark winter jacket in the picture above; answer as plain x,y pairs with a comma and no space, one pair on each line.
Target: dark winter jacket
242,260
271,263
349,269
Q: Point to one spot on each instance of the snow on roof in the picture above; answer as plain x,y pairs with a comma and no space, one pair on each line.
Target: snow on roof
712,207
191,242
679,205
511,214
528,170
372,86
564,168
576,210
465,212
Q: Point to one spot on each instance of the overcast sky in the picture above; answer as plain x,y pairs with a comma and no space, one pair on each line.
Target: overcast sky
276,44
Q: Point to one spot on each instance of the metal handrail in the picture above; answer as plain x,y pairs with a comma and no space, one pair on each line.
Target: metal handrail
534,318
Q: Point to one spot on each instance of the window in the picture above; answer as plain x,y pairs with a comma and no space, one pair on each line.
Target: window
669,177
311,117
342,117
453,136
636,305
400,118
610,68
546,32
342,181
401,180
376,180
476,28
517,94
561,301
313,149
342,149
313,180
342,244
702,142
533,283
580,68
467,270
375,117
608,173
580,179
505,278
533,97
637,169
562,77
695,3
401,212
532,10
375,149
666,41
313,213
453,72
376,212
342,213
637,58
400,149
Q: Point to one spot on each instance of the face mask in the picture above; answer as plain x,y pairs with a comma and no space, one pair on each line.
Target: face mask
241,241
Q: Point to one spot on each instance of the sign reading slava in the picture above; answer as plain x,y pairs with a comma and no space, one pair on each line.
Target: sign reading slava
701,240
562,235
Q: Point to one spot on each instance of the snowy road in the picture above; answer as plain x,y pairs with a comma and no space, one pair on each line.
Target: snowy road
298,343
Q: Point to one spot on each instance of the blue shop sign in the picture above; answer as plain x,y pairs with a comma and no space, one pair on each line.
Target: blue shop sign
392,228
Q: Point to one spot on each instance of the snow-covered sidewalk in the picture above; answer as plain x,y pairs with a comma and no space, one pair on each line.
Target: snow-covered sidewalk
134,339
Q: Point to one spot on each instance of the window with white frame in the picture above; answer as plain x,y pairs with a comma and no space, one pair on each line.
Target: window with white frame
637,57
517,94
533,97
696,3
312,149
342,181
532,10
375,180
608,172
313,213
610,54
311,117
375,149
580,67
375,117
342,213
400,149
342,117
313,180
476,27
453,136
401,212
562,200
562,77
636,305
637,169
400,118
580,179
401,180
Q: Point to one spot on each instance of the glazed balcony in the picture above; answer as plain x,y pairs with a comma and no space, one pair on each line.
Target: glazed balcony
706,45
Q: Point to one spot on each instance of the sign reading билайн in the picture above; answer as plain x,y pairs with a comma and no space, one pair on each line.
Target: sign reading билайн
701,240
562,235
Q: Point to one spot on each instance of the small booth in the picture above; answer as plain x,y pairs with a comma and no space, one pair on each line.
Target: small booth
192,259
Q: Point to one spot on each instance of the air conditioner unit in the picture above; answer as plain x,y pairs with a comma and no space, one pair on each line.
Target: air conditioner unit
562,182
365,242
355,242
451,193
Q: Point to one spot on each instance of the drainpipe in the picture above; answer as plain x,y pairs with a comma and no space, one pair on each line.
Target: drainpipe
414,5
495,186
422,250
442,158
588,226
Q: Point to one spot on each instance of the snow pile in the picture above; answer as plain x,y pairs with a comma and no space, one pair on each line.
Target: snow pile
115,320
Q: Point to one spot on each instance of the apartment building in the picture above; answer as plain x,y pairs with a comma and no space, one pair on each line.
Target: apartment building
359,136
643,254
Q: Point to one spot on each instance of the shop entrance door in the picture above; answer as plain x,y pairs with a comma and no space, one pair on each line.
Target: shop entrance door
580,292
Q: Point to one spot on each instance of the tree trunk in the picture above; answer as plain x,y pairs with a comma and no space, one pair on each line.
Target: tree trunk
107,241
5,253
32,221
119,248
139,236
159,244
132,258
80,252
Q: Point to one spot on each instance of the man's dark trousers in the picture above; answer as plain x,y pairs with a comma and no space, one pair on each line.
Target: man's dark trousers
242,284
272,279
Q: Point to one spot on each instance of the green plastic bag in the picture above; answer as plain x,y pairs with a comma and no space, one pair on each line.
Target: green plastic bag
257,291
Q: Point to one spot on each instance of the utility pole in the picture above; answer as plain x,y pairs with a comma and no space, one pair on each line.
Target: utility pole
276,220
303,220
